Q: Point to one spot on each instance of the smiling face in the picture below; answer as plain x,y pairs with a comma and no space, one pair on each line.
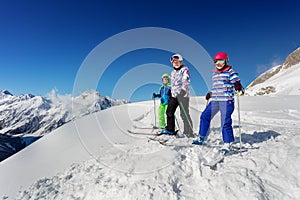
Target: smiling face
176,63
219,64
176,60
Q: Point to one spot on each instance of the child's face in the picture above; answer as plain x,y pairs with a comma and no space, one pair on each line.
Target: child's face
219,64
165,80
176,63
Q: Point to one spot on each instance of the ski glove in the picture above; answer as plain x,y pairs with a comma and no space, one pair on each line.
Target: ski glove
155,95
238,87
208,96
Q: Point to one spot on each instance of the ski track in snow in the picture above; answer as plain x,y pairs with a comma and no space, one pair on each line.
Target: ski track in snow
136,168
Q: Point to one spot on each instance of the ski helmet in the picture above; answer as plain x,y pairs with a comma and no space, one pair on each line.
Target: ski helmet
221,56
165,75
176,57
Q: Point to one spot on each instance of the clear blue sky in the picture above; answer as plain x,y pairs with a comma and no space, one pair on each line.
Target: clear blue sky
43,43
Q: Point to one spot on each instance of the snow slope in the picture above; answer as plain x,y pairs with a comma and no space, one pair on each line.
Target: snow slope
94,157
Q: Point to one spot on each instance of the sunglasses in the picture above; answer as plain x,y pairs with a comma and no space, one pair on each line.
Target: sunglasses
219,62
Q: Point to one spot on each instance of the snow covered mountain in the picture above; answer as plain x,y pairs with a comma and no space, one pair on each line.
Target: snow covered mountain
280,80
37,115
28,116
94,157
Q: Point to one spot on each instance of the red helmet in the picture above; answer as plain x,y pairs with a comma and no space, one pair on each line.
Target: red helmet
221,56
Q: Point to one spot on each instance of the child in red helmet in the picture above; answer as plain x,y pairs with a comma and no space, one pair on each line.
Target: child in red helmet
224,81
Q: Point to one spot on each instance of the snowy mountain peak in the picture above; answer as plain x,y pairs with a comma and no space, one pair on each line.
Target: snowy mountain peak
279,80
38,115
30,116
292,59
4,94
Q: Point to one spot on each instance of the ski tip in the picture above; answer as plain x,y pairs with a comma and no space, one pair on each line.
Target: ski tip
224,151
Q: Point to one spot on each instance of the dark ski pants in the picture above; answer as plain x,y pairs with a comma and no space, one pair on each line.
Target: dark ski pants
226,108
173,103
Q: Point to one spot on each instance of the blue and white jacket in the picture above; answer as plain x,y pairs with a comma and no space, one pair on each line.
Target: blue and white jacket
223,84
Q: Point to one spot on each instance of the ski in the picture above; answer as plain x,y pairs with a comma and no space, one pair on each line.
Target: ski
174,144
144,133
159,140
147,128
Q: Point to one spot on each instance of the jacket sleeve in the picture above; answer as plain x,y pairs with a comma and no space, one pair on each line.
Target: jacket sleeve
233,76
159,92
185,80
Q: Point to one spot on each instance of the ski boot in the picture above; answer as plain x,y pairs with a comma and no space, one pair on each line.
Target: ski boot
200,141
167,132
225,148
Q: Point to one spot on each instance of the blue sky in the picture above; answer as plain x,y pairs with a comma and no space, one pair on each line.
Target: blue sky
43,43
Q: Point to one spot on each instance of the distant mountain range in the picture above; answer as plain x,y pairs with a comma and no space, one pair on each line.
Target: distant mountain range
27,117
280,80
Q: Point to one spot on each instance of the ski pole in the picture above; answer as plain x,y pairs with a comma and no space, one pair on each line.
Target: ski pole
239,120
186,116
154,112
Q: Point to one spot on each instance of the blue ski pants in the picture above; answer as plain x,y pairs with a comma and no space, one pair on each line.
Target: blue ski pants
226,108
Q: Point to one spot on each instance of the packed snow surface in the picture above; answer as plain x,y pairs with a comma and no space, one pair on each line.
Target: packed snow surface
95,157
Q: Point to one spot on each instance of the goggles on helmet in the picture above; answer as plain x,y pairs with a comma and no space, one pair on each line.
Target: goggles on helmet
174,58
219,62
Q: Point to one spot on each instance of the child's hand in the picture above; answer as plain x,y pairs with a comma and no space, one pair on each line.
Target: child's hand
238,86
208,96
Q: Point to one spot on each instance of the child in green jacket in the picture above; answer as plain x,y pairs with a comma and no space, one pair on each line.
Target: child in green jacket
164,94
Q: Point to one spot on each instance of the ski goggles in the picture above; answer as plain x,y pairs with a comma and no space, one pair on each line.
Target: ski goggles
174,58
219,62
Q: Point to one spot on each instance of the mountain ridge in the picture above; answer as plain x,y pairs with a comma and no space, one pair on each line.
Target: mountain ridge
27,117
266,84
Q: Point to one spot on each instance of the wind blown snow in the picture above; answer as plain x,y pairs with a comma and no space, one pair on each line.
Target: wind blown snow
110,163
